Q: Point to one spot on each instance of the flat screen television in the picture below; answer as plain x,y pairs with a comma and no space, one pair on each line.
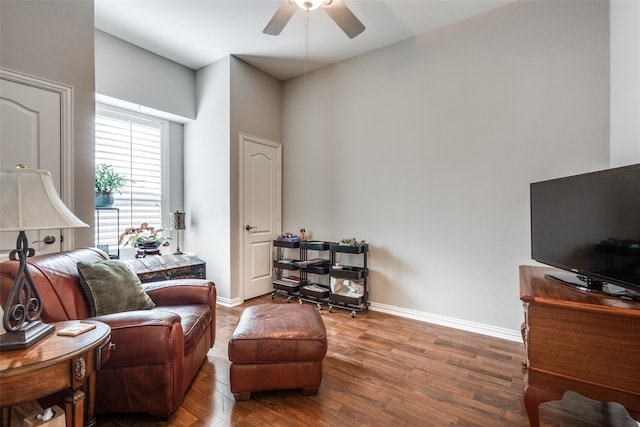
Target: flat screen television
588,226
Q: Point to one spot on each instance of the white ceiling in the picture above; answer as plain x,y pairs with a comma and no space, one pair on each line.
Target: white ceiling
196,33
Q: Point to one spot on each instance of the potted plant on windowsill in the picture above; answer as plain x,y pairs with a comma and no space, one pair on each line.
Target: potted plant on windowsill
107,181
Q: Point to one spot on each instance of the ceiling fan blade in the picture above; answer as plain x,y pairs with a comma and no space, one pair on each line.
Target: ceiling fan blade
280,18
345,19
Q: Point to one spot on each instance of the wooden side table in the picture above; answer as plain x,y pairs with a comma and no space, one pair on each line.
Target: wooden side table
56,363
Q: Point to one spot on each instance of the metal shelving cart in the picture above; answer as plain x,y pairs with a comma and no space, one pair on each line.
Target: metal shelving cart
349,284
286,285
313,292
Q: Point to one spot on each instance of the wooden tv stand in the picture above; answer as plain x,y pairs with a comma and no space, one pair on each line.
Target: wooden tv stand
578,341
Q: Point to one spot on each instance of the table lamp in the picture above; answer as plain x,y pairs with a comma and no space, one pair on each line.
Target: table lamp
28,201
177,223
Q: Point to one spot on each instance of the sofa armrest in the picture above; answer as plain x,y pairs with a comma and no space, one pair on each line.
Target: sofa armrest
182,292
137,318
135,333
185,292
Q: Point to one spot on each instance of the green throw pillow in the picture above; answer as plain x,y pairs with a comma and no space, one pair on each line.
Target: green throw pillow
112,287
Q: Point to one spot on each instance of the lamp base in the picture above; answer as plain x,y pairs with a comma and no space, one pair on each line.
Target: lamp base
178,252
25,337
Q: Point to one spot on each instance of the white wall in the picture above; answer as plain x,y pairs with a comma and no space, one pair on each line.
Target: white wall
232,97
54,41
135,75
256,100
207,175
625,82
426,149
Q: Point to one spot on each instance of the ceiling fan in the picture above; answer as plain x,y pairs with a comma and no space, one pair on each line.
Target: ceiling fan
336,10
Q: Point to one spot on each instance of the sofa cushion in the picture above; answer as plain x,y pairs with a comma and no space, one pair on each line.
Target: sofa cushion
111,287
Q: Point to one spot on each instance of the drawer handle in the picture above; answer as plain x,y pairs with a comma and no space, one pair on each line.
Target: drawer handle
111,346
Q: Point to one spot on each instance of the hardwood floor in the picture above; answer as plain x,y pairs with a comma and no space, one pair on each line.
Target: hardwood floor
382,370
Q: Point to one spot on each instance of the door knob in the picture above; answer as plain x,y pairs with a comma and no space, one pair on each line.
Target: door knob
249,228
47,240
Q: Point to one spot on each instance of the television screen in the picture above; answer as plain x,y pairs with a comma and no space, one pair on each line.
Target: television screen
589,225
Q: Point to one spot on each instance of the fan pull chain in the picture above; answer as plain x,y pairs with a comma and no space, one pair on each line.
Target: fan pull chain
306,57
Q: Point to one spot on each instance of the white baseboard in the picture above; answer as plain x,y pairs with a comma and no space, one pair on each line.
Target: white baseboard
465,325
226,302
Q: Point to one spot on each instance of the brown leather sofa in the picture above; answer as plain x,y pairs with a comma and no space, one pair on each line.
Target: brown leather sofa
157,352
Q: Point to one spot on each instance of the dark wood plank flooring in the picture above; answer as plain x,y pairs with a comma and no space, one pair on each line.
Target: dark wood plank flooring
383,370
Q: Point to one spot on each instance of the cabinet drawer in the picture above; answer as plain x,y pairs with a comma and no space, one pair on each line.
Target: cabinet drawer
103,353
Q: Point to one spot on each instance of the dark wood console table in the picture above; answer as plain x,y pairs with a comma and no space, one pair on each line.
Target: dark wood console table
578,341
153,268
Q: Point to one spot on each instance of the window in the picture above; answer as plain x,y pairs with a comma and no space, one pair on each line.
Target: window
133,144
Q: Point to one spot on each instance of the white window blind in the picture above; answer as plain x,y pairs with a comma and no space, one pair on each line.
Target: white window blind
133,145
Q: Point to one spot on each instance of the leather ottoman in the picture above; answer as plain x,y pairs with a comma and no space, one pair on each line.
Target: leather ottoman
277,347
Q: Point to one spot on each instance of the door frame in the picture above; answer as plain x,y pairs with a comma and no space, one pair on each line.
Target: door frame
278,146
67,170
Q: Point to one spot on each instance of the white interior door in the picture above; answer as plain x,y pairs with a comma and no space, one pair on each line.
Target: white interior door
261,205
30,134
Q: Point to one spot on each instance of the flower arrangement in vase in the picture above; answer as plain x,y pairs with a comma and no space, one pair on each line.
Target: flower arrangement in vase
146,239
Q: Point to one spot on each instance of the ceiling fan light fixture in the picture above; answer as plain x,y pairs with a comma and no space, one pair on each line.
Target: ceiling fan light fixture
309,5
336,9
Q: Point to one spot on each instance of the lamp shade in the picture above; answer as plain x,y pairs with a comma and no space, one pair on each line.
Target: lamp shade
177,220
29,201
